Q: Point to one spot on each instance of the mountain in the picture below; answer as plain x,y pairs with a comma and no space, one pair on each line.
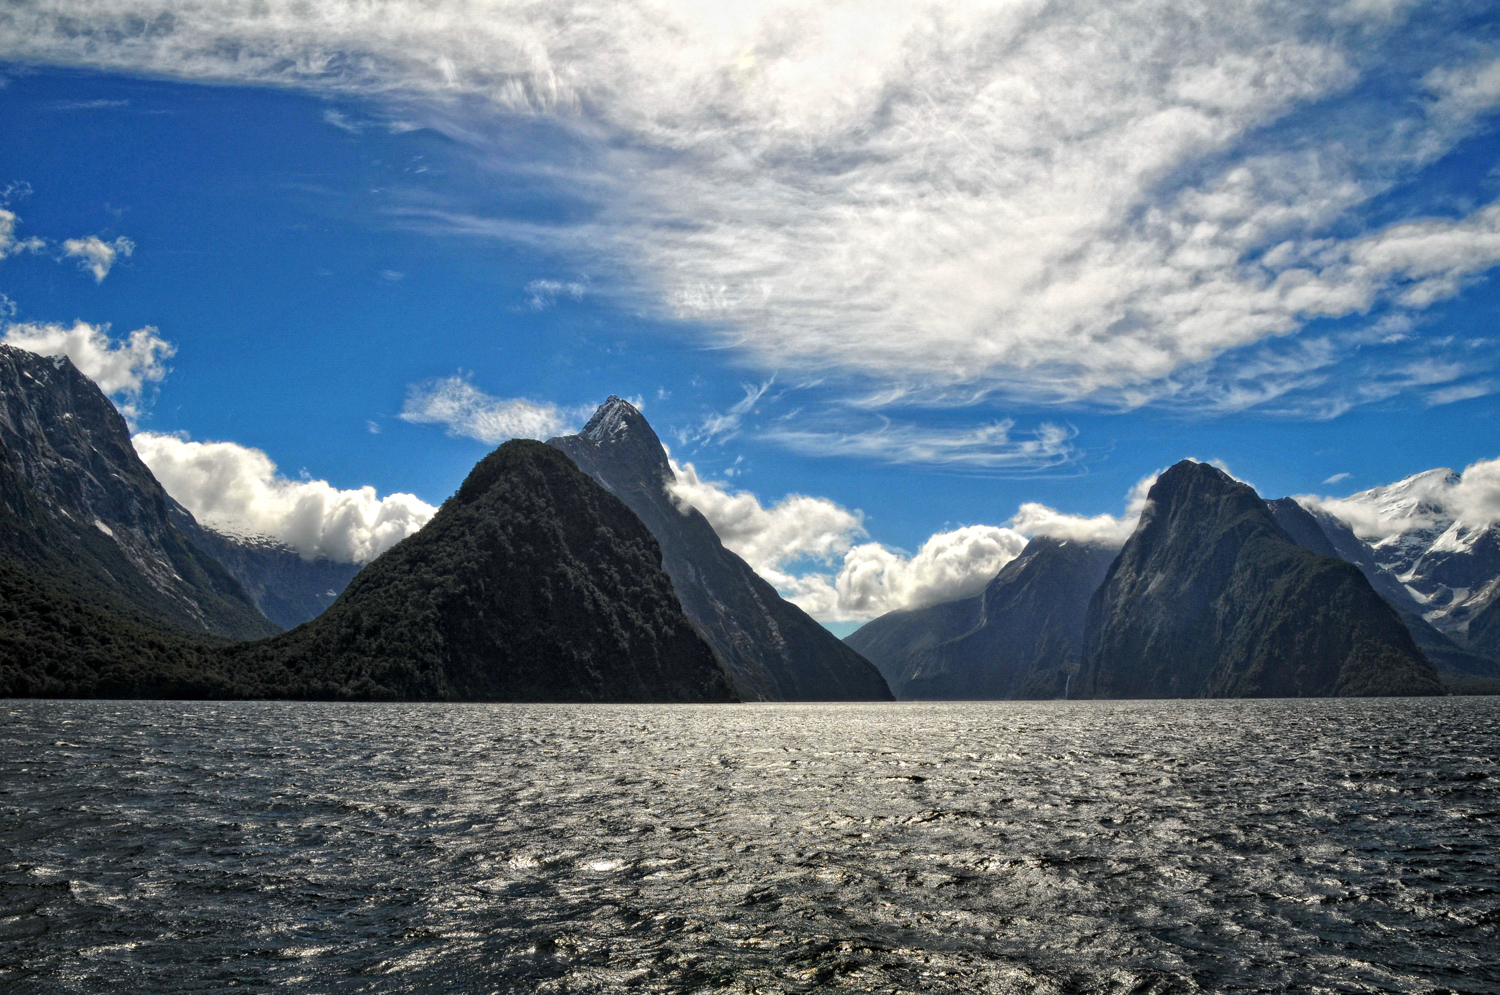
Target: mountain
1316,530
532,583
1022,637
1450,566
1484,631
53,645
772,650
1211,598
81,512
288,589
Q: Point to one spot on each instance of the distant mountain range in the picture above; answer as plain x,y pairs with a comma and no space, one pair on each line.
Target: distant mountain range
1022,637
569,571
1449,567
1217,593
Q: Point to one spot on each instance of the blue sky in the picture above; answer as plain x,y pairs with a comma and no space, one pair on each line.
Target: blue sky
968,258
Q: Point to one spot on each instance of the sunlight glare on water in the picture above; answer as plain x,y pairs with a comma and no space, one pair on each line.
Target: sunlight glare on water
1026,847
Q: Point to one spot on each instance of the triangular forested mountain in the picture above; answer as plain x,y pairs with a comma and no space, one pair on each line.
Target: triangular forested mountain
773,650
1211,598
532,583
80,512
1022,637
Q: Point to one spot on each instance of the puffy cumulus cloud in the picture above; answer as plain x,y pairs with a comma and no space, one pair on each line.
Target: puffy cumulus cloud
1421,501
464,409
10,245
1056,200
855,582
120,368
1035,519
96,255
237,489
872,580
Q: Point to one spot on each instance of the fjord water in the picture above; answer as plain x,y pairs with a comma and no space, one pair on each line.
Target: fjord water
1331,845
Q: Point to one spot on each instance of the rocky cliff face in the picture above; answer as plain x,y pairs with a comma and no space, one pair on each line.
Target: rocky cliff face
287,589
1319,532
1022,637
532,583
772,650
1211,598
79,510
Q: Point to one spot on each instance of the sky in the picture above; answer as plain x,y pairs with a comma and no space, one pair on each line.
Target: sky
897,285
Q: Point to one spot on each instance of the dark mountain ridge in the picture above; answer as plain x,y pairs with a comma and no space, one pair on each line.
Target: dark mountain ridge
772,649
532,583
1022,637
1210,597
79,509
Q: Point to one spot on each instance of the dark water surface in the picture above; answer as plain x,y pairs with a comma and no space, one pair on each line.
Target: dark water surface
1051,847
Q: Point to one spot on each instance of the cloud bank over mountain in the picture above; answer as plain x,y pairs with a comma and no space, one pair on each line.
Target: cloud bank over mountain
239,490
1128,203
1421,501
807,547
122,369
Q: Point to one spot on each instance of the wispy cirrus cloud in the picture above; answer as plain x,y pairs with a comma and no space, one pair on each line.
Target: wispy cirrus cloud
997,446
1072,201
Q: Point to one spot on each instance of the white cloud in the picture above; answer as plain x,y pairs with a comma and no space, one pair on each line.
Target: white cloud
466,410
1053,200
119,368
237,489
1035,519
1470,498
723,426
1337,477
996,446
806,548
9,244
96,255
543,294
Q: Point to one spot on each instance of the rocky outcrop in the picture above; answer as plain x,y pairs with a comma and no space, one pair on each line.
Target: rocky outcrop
532,583
771,649
1211,598
81,512
1022,637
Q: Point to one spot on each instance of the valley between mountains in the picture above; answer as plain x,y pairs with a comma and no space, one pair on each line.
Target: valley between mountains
568,571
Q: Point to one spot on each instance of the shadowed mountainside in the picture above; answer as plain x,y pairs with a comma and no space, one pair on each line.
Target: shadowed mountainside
288,589
1211,598
1022,637
772,649
1322,533
80,510
532,583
